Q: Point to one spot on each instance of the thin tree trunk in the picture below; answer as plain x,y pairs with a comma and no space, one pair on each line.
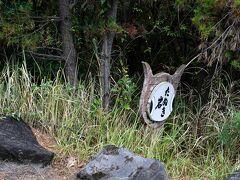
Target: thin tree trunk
106,57
69,51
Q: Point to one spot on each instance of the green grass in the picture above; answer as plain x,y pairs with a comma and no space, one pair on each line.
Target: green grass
81,128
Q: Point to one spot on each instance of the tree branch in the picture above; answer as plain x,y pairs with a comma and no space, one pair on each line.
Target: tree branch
46,56
50,48
46,18
72,4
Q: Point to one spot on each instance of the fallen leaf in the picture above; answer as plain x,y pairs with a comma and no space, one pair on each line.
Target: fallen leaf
71,162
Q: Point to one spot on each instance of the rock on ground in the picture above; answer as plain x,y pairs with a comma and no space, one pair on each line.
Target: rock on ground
234,176
114,163
17,143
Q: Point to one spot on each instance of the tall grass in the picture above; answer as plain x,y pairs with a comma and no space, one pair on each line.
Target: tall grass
80,127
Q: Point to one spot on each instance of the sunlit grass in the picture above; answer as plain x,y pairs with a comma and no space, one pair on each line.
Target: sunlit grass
79,125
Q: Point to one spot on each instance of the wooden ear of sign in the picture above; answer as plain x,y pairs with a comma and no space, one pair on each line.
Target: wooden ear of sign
150,81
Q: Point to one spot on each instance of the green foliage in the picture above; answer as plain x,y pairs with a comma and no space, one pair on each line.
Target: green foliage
107,23
237,3
19,29
16,25
180,2
205,15
230,134
208,14
105,6
232,59
159,32
124,90
81,129
235,64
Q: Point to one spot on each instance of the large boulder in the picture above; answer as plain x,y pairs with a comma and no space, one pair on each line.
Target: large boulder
17,143
234,176
114,163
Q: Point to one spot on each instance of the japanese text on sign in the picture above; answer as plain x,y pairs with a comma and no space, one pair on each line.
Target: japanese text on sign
160,101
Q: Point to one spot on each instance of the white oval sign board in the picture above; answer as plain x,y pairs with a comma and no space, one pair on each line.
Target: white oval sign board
160,101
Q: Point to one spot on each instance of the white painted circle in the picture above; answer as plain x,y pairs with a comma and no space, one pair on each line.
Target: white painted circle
160,101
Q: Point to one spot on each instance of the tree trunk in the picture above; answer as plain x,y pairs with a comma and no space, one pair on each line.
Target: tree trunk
69,51
108,37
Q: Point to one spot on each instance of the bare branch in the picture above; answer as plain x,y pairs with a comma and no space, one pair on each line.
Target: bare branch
50,48
46,56
72,4
45,18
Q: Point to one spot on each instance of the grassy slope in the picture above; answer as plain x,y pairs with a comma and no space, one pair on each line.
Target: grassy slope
81,128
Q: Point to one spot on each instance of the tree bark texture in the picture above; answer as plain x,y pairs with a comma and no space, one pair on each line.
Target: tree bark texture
108,37
69,51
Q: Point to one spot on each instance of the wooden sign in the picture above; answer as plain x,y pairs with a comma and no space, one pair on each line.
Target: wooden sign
158,94
160,102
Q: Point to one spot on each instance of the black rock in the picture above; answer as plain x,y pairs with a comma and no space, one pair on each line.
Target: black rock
18,143
114,163
234,176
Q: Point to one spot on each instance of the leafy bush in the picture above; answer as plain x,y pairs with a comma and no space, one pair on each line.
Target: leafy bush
124,90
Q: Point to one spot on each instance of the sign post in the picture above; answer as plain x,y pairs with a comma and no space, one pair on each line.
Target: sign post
158,94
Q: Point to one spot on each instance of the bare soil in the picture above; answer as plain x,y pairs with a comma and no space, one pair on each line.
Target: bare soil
64,168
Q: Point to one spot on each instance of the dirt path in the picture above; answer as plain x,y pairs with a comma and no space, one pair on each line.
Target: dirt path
64,168
16,171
